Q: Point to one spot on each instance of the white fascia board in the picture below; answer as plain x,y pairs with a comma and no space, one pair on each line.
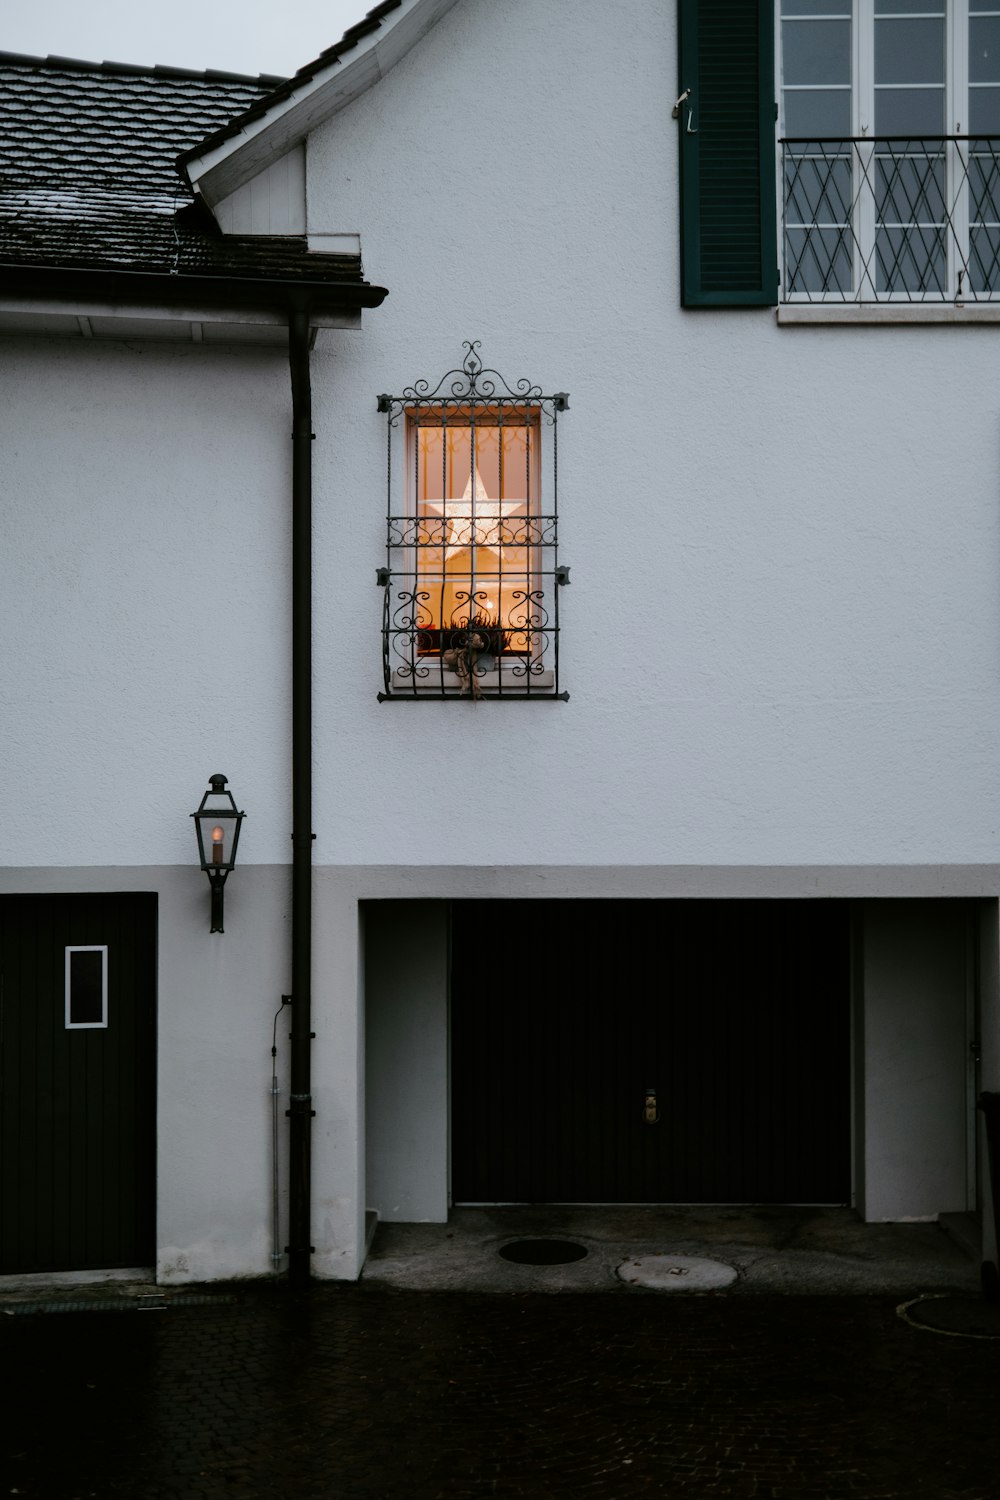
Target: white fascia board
348,317
225,168
334,244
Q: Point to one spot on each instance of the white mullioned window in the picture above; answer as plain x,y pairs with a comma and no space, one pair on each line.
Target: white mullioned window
890,123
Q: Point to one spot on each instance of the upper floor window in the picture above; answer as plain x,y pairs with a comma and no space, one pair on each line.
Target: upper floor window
888,118
472,572
890,124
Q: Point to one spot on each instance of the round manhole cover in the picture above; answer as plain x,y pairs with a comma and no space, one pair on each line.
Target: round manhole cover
542,1252
964,1317
677,1273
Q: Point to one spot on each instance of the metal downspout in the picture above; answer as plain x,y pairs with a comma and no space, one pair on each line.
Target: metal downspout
300,1111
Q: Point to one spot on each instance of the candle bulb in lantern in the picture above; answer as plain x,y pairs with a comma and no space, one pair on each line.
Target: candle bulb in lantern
217,837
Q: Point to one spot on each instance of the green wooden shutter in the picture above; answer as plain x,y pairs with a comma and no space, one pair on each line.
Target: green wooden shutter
729,255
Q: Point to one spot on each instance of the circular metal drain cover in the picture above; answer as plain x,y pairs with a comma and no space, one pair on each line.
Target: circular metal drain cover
677,1273
963,1317
542,1252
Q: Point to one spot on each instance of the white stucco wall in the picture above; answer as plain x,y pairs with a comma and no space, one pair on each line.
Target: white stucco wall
782,633
918,975
146,540
406,1052
216,1006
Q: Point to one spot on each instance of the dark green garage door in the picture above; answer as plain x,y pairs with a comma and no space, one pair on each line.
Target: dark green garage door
77,1057
568,1016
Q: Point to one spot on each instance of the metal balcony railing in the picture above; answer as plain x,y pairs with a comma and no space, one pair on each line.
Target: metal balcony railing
891,219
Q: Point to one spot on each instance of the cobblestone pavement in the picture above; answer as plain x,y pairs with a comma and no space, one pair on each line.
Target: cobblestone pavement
366,1393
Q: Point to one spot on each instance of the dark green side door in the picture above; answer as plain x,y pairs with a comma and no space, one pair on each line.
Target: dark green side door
568,1016
77,1063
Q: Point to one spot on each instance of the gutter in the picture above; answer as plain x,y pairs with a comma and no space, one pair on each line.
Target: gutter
300,1112
278,294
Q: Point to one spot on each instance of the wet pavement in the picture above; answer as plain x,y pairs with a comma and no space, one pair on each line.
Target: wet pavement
373,1392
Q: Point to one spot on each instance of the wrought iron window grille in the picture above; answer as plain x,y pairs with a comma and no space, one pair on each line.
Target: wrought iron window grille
891,219
472,576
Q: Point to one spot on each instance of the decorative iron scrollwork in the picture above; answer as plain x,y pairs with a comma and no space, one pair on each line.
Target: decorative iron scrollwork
471,603
472,382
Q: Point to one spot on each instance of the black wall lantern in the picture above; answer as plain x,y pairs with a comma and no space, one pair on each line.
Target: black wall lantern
218,825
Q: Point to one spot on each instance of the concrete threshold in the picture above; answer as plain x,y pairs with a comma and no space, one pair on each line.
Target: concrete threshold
794,1251
138,1280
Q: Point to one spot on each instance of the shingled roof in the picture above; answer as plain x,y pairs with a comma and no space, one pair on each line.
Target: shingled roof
88,179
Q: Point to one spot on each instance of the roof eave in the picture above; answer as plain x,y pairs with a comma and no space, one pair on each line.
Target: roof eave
225,161
129,287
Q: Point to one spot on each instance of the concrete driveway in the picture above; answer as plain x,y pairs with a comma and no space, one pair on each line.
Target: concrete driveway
783,1250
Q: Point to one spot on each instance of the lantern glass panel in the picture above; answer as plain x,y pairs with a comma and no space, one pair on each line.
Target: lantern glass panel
218,833
219,842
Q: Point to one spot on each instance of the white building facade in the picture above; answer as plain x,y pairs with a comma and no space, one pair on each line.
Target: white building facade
739,856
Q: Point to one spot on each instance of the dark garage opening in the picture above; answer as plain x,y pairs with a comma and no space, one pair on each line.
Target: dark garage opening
651,1052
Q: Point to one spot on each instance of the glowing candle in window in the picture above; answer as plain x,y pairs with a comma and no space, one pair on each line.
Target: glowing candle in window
217,837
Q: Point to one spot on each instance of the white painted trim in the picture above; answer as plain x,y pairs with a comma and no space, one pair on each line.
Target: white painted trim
334,244
972,1041
102,1024
84,311
856,993
886,314
547,882
223,169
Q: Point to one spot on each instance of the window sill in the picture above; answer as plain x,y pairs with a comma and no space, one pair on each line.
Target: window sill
443,684
875,314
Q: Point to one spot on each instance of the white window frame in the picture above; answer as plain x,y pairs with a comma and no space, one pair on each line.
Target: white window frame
415,417
956,106
72,1025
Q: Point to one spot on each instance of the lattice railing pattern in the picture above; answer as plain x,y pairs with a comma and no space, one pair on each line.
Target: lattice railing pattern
889,219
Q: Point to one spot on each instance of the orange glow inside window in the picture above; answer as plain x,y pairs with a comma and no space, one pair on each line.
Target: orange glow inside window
475,478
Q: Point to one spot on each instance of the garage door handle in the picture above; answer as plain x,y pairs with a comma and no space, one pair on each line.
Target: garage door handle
650,1113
